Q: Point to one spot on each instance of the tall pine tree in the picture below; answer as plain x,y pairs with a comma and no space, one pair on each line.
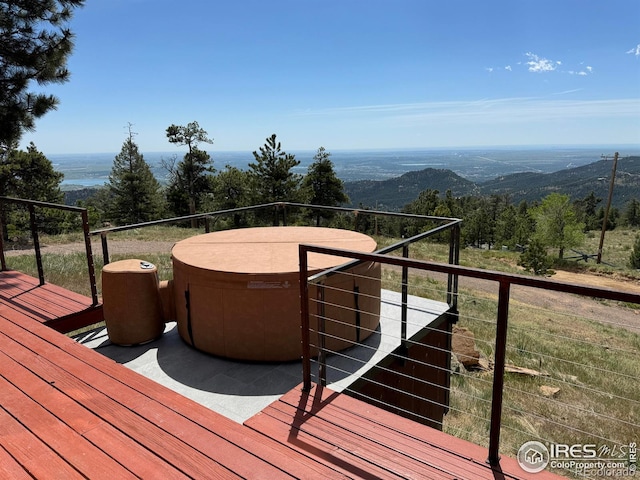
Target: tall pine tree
272,175
322,186
135,194
192,177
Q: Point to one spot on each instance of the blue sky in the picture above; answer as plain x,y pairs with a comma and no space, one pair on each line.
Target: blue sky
350,74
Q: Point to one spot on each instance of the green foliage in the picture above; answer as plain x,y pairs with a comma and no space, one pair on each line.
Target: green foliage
534,258
272,175
135,194
587,212
232,189
634,259
632,213
322,186
191,179
35,42
29,174
556,223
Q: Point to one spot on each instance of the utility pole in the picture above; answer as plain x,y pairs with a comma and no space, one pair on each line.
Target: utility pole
606,211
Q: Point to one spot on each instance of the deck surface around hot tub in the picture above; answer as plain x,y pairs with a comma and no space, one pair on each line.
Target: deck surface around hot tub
239,390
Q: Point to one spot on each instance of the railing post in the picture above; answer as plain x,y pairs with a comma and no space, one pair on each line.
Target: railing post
322,353
90,267
105,248
454,259
498,373
304,320
36,242
405,298
3,262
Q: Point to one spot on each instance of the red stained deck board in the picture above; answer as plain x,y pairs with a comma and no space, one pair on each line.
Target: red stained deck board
79,372
29,451
104,436
135,388
10,467
320,415
79,453
374,449
174,438
59,393
41,302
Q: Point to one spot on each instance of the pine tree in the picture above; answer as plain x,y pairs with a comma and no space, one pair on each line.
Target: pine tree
634,260
135,194
231,189
535,258
322,186
273,178
35,42
192,177
30,174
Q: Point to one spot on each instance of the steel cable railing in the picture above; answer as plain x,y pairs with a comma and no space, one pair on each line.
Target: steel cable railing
509,334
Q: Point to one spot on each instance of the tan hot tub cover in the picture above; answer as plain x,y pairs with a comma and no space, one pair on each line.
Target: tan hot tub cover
237,291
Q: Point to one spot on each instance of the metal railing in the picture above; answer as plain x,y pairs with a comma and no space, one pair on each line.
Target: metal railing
281,214
500,326
31,206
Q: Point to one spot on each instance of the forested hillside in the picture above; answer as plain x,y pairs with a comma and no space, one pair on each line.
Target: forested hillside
394,193
578,182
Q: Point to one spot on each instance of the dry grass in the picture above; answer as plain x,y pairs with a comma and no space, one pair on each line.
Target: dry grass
594,365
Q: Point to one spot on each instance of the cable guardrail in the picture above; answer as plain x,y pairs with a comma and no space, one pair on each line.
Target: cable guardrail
553,376
31,206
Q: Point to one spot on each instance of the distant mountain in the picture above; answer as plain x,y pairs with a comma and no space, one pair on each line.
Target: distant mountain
578,182
396,192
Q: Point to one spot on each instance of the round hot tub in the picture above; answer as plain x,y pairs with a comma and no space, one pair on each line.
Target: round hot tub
237,292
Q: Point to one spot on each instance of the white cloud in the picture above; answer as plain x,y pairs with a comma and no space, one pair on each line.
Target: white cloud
589,69
508,67
499,110
635,51
489,69
537,64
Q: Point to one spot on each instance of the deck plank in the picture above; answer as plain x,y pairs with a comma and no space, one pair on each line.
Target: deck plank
104,436
168,435
134,390
326,422
44,303
36,457
72,447
11,468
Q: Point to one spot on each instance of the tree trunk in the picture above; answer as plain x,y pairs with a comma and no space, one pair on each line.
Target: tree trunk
192,211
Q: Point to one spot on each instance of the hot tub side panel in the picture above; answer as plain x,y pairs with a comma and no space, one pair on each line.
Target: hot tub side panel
351,307
242,316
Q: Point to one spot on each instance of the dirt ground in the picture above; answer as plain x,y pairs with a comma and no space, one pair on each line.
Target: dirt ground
608,312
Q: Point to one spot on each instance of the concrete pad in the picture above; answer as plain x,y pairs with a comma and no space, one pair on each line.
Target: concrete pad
239,389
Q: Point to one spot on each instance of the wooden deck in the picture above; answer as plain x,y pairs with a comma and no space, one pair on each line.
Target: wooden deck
68,412
49,304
